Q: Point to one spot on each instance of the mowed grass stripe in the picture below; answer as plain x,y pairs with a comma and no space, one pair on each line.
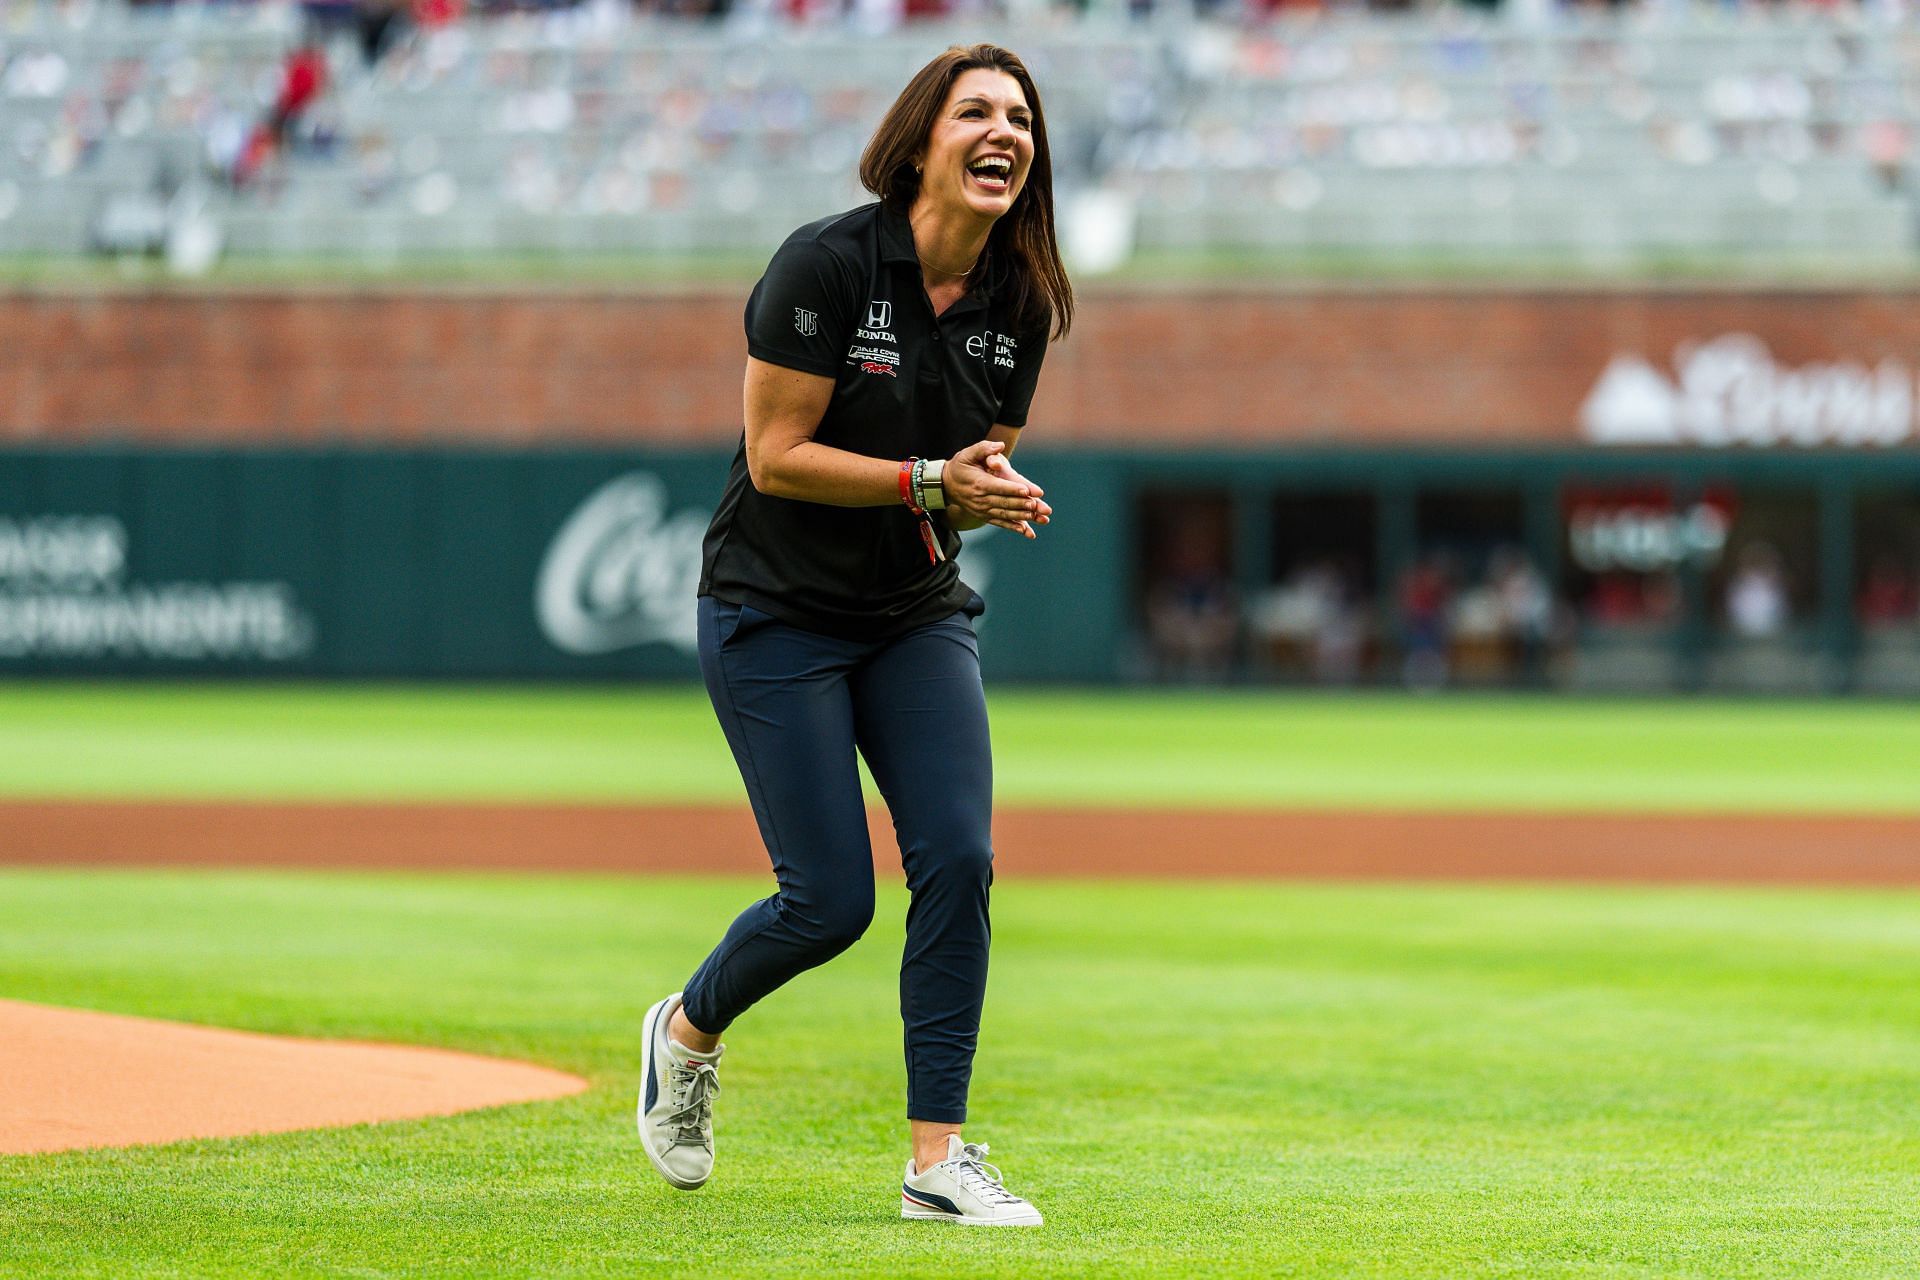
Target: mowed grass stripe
1235,1080
648,744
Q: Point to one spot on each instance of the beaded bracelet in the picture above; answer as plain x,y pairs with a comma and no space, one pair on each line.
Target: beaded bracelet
912,476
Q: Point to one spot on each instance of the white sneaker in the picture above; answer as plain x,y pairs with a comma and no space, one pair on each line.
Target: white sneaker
677,1089
964,1188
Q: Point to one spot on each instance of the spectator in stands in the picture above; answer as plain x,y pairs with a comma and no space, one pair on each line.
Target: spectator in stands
1622,598
1339,642
808,11
1526,609
1477,647
302,79
379,24
1661,597
325,19
1614,600
431,15
1426,597
1312,622
1888,145
1890,597
1193,618
1756,599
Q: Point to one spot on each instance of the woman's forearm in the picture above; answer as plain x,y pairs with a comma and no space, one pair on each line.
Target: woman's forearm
808,471
788,465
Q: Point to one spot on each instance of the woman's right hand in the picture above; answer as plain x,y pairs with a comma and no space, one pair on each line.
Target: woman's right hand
983,486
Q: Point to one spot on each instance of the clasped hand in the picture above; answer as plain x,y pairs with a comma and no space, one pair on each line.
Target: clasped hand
981,483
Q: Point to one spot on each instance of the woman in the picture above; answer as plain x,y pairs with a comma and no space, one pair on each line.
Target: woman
892,353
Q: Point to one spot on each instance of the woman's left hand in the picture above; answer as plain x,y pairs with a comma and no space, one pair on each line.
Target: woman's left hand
982,485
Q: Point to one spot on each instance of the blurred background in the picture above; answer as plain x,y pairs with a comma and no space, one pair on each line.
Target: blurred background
1490,345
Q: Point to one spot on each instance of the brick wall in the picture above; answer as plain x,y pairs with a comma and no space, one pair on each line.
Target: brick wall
1455,366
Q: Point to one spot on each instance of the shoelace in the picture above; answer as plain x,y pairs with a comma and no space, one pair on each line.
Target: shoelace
971,1170
697,1085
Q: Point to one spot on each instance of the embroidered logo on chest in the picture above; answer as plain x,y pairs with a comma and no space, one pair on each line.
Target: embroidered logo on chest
874,360
992,348
1004,346
879,325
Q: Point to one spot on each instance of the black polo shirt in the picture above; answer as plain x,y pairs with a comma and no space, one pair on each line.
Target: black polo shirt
844,298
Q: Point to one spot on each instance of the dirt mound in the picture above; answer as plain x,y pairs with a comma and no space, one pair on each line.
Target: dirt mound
81,1079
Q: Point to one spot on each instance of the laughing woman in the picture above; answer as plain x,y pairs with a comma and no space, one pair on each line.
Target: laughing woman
892,353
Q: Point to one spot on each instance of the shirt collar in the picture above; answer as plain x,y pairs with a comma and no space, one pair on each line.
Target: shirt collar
896,245
896,236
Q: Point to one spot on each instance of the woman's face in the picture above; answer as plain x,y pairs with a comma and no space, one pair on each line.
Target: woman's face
981,145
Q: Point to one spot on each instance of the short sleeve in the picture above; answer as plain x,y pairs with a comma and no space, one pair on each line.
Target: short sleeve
1030,350
799,315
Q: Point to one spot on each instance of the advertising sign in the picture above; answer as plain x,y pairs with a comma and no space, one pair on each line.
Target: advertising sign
419,564
1730,390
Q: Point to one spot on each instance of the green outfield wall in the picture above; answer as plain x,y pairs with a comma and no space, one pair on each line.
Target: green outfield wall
581,563
469,564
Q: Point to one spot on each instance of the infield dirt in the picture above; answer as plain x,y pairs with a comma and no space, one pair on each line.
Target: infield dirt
1834,849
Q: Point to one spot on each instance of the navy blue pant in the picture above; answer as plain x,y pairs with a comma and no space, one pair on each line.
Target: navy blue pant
795,705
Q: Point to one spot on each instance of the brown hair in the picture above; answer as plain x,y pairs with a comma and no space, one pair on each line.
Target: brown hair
1024,238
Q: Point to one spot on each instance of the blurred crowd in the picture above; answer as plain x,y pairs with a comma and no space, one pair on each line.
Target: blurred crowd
950,9
1498,623
1237,109
1457,618
1494,625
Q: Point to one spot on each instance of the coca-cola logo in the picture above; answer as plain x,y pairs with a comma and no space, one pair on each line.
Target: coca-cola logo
622,572
1731,390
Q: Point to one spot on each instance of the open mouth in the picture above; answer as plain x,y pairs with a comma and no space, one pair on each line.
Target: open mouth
994,173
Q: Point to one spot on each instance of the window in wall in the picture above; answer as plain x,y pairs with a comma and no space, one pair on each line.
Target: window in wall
1886,592
1625,548
1762,596
1627,544
1185,601
1472,607
1316,622
1767,583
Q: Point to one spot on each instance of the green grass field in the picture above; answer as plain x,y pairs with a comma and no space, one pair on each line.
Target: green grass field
1222,1079
645,744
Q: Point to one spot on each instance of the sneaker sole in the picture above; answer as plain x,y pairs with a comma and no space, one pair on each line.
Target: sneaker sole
659,1011
918,1214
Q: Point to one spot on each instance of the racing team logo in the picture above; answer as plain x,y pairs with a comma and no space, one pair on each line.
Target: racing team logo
874,366
805,323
